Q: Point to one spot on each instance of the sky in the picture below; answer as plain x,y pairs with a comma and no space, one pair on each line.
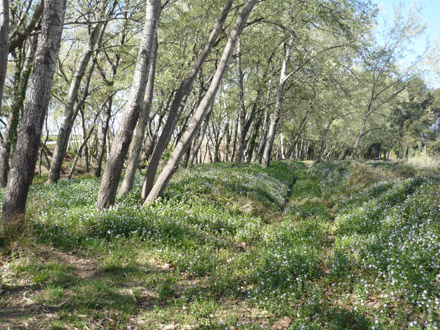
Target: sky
430,12
430,15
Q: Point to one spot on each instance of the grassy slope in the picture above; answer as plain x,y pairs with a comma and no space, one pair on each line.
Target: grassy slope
345,246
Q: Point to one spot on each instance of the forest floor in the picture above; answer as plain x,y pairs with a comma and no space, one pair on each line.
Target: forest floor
333,246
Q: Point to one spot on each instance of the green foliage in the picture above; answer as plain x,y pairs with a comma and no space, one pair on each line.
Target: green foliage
228,237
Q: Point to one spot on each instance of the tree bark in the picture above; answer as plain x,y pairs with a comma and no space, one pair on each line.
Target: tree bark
21,79
203,107
359,136
138,140
181,93
280,96
247,120
4,44
199,141
324,138
295,138
115,163
81,148
69,113
265,127
242,114
105,126
25,157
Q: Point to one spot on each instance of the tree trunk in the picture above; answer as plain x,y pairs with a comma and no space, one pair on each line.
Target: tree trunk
4,44
19,94
25,157
104,130
81,148
246,121
203,107
43,151
201,137
280,95
69,113
263,133
234,144
181,93
253,136
294,143
324,138
228,142
242,114
138,140
359,136
121,144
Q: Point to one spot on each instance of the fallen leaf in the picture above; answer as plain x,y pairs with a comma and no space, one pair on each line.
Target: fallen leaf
282,323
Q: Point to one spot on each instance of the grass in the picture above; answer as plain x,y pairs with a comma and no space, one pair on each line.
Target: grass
334,246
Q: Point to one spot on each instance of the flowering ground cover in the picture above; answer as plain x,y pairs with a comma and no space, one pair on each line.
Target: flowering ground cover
334,246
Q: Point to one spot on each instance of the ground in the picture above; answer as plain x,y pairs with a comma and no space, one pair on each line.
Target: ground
336,245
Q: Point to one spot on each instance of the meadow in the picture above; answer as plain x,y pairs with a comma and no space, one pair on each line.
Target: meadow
335,245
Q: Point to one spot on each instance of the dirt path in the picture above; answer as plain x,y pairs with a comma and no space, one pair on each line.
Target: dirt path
19,306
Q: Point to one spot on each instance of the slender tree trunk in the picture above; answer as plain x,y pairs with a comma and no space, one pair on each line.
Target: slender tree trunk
10,135
115,163
228,142
306,150
201,137
43,151
359,136
4,44
81,148
280,95
85,138
69,113
203,107
252,144
247,121
234,144
138,140
283,156
324,139
294,143
181,93
331,152
242,114
263,133
262,138
21,79
102,147
104,130
31,124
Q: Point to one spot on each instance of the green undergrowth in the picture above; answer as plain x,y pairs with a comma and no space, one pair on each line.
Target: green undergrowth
335,246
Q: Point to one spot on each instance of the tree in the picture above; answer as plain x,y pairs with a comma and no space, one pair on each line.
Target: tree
115,163
203,107
275,117
31,124
4,44
138,140
95,39
382,79
23,57
182,91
